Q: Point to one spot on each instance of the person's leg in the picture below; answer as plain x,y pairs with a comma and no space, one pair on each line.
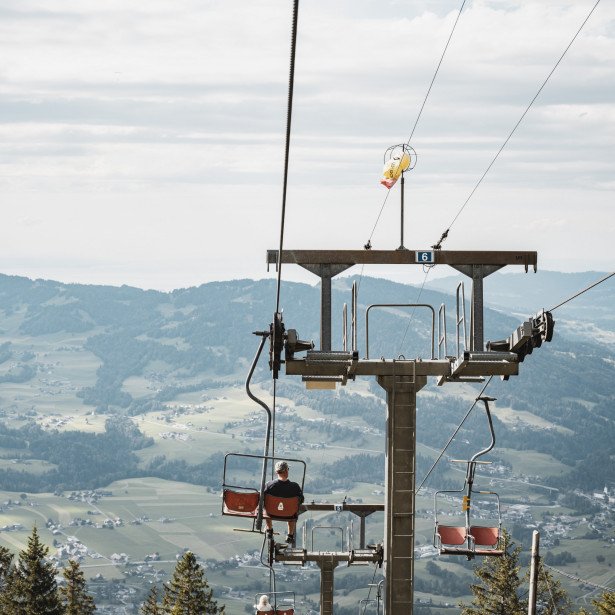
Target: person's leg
269,524
291,527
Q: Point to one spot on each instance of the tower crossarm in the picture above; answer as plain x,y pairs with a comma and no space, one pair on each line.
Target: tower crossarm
476,264
309,258
489,364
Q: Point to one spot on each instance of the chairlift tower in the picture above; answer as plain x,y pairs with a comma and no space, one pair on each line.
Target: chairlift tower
403,378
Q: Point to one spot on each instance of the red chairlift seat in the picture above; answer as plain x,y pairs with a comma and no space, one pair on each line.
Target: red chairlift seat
452,540
285,611
486,540
281,508
240,503
451,535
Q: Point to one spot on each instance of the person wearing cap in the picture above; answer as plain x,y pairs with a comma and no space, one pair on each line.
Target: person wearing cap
281,487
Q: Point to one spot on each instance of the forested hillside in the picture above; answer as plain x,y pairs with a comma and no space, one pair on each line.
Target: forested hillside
124,352
139,395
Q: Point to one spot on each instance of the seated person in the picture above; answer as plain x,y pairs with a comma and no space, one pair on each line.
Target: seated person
263,605
281,487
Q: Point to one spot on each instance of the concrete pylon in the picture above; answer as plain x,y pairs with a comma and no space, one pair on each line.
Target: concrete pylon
399,488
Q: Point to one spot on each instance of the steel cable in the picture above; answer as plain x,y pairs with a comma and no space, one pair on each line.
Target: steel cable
512,132
571,576
583,291
420,111
436,73
289,113
454,434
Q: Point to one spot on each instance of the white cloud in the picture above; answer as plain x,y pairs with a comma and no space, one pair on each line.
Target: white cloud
130,130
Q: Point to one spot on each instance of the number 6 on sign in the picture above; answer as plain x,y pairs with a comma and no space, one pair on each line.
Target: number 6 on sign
425,256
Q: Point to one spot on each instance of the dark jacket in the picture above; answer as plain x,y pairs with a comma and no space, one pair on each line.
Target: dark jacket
284,489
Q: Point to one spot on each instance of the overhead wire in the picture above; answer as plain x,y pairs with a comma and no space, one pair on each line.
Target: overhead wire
289,114
454,434
548,583
610,275
444,235
418,117
446,232
512,132
489,380
421,110
571,576
583,291
436,73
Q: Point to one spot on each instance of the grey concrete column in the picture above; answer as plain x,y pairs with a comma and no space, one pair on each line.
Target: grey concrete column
327,566
399,489
477,342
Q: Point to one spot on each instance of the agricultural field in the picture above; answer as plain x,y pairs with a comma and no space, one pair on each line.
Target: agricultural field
139,396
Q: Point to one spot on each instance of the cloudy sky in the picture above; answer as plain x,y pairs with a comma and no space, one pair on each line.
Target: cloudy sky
142,143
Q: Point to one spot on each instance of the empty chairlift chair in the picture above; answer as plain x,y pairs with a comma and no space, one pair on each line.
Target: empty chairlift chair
470,539
486,540
240,503
450,538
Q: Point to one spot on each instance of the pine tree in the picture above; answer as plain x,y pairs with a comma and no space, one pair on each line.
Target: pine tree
550,594
151,606
74,597
606,604
30,587
6,557
497,592
187,592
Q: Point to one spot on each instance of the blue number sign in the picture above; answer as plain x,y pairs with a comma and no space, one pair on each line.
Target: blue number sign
425,256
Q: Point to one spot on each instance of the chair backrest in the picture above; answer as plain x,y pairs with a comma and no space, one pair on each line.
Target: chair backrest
280,508
284,611
452,535
485,536
240,504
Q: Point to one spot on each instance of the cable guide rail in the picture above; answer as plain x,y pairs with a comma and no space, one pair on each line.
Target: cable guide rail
413,305
325,367
501,358
348,552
